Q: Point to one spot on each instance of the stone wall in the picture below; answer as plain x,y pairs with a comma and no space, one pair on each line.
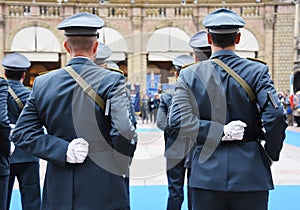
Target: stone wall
272,23
283,54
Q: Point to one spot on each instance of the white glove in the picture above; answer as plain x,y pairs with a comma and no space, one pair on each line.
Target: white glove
12,148
77,150
12,128
234,130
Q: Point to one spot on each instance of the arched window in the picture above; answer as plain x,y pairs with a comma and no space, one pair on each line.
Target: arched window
167,43
37,44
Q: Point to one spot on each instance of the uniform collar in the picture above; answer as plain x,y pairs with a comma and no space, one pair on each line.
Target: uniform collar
223,52
15,82
80,60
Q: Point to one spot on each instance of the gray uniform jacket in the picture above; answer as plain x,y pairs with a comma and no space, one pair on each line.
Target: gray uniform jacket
4,130
162,112
175,148
200,112
59,103
19,156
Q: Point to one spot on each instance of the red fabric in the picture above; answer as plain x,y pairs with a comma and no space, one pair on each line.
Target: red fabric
292,101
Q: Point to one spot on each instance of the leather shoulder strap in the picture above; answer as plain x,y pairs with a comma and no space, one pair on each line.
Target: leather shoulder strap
15,97
86,87
236,77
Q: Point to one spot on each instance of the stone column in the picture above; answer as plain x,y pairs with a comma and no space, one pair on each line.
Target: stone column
137,60
269,41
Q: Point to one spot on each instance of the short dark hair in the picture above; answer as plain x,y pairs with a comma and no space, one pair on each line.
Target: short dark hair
13,75
223,40
81,42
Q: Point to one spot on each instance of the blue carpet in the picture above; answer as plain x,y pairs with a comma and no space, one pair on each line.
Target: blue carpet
155,198
148,130
293,138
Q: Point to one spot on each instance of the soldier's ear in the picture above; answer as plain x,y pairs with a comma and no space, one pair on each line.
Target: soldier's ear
238,38
209,39
95,47
66,46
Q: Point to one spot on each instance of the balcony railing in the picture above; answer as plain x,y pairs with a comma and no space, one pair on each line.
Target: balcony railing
22,9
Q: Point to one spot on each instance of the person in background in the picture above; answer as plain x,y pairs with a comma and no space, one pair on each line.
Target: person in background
230,168
200,46
103,53
202,51
5,145
145,108
175,161
23,166
291,105
296,111
87,144
154,103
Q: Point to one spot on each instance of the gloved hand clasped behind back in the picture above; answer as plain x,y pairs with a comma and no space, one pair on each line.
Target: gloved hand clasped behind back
77,151
234,130
12,148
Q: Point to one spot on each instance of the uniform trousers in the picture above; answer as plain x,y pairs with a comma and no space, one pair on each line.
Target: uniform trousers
3,191
176,174
29,184
220,200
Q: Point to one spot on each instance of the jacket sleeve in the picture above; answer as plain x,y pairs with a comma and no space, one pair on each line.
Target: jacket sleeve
186,120
4,121
161,118
274,120
122,132
29,135
185,116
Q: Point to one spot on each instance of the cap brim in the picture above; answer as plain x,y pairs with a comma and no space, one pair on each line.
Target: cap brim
223,30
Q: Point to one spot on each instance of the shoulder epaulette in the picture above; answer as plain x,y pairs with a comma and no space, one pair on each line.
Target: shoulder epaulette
257,60
116,70
187,65
30,88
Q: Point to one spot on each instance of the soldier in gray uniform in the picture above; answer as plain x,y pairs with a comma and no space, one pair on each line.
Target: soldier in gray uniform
103,53
175,161
230,167
23,166
87,143
200,46
4,144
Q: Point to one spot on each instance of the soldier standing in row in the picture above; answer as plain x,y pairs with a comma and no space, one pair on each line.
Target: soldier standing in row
23,166
5,144
175,161
87,140
230,168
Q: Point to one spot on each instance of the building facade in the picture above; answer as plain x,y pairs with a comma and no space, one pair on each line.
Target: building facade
146,35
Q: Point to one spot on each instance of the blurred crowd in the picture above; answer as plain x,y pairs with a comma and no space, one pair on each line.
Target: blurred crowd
291,104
